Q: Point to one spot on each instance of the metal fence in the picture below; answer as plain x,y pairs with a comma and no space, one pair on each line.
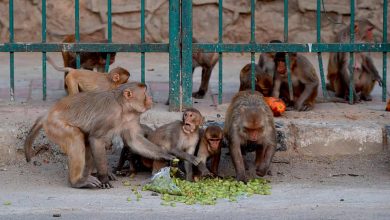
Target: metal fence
181,47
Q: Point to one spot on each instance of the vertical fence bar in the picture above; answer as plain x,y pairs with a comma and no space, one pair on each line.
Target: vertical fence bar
351,54
290,89
44,53
253,41
186,52
77,30
320,65
220,41
109,33
174,55
384,76
11,54
142,40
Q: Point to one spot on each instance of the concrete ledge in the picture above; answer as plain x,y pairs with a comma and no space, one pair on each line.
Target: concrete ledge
307,137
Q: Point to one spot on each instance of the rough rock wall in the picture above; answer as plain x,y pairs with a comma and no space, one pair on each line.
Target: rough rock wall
236,19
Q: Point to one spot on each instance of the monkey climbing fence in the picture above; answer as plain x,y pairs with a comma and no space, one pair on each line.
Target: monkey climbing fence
181,47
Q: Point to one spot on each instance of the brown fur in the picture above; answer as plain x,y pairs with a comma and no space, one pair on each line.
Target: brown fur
134,159
207,61
388,106
88,60
210,146
180,139
263,81
365,73
304,81
84,124
78,80
248,119
266,61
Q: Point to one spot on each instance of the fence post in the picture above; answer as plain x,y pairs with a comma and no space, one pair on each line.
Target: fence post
220,41
11,54
44,53
351,54
253,41
186,74
320,65
77,29
109,33
174,55
287,57
143,40
384,76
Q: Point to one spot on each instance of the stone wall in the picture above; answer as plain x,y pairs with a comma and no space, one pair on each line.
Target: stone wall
236,19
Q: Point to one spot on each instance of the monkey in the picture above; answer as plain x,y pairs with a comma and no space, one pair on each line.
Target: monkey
364,70
209,146
263,81
88,60
266,61
84,124
249,126
180,139
304,81
207,61
78,80
135,161
388,106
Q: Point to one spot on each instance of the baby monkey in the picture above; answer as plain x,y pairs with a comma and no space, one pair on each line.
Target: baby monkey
210,148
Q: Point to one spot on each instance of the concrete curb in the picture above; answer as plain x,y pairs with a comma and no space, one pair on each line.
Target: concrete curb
307,137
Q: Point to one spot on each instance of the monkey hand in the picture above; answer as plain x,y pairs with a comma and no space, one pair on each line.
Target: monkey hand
195,160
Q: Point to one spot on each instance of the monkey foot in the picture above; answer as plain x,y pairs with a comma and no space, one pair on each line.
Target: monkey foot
366,97
199,94
90,182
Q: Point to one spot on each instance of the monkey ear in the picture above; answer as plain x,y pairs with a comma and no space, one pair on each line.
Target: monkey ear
128,94
115,77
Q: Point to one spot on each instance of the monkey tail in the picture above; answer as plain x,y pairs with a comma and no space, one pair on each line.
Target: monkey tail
54,65
28,151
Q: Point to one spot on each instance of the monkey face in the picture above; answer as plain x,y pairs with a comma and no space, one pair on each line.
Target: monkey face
251,125
213,144
192,119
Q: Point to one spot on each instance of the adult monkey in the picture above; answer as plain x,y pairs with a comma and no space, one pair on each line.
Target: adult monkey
83,126
88,60
304,81
365,73
249,122
266,60
263,80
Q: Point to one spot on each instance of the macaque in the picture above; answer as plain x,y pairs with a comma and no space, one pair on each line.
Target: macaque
88,60
180,138
364,70
266,61
304,81
207,61
84,124
249,126
263,81
135,161
78,80
210,147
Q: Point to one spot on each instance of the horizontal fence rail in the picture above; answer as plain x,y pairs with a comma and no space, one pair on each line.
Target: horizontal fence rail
180,47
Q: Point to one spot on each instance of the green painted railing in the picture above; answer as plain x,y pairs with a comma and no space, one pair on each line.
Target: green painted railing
181,47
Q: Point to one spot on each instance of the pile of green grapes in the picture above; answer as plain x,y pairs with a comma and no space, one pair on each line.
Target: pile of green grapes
208,191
